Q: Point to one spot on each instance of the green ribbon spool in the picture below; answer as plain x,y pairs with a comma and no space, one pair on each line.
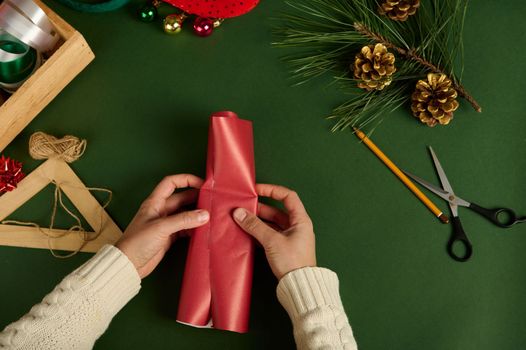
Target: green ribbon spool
17,60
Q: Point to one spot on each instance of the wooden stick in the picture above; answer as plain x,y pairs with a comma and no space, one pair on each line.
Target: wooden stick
32,237
423,198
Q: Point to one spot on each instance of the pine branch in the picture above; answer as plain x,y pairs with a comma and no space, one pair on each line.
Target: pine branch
411,55
324,36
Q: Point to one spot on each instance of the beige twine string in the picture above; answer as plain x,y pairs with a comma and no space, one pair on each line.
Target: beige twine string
44,146
69,149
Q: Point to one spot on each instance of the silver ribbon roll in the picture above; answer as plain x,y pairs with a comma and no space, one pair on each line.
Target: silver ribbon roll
28,23
34,13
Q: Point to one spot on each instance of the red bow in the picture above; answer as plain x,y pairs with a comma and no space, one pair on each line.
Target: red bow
10,174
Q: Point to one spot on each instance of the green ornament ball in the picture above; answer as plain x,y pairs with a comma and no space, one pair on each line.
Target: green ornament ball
147,13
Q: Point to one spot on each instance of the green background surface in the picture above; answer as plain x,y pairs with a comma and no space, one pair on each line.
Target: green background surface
143,105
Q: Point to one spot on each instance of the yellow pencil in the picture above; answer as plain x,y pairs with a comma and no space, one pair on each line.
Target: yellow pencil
423,198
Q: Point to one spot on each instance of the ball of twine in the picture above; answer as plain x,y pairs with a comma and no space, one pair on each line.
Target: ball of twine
44,146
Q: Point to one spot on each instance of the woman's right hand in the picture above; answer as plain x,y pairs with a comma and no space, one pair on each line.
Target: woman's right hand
290,245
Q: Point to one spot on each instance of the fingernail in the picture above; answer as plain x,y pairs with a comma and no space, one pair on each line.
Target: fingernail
240,214
202,215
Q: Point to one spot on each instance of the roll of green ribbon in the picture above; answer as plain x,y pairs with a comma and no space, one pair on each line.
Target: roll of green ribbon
17,60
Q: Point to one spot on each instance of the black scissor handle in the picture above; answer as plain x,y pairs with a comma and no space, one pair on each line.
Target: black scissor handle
494,215
459,236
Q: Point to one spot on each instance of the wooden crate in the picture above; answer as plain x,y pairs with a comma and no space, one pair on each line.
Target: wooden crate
65,63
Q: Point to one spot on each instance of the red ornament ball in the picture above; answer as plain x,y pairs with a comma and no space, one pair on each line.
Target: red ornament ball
10,174
203,26
214,8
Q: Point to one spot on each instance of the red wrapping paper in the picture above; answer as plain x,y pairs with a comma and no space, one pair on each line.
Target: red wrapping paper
217,280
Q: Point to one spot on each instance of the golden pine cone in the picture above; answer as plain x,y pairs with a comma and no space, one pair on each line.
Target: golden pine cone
398,10
373,67
434,100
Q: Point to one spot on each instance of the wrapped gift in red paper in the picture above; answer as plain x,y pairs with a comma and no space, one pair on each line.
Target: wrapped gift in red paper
217,280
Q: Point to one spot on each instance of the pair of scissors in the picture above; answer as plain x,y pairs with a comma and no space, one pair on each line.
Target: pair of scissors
502,217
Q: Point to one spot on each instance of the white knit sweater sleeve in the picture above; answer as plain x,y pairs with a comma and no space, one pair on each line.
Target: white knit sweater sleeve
76,313
312,299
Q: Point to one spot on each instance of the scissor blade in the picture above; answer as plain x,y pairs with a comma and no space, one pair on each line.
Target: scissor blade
462,202
436,190
441,174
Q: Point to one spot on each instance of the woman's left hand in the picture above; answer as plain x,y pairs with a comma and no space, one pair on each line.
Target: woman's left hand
159,220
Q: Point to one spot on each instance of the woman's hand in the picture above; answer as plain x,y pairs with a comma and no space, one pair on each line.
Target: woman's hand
159,219
292,245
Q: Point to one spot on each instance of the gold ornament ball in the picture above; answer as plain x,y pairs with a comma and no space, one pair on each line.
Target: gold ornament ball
172,24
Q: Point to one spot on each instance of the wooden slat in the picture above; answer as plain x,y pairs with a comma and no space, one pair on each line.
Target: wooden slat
31,237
